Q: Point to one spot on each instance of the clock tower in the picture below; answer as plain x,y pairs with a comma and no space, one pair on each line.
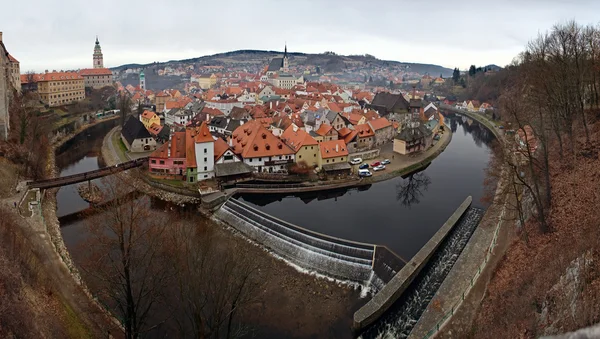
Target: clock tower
98,59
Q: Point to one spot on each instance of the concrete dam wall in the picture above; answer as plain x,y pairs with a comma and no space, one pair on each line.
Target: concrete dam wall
338,258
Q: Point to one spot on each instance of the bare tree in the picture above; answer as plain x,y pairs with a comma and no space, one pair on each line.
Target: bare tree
215,281
125,259
410,190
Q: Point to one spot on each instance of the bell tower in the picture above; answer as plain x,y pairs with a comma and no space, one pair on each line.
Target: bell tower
142,81
286,65
98,59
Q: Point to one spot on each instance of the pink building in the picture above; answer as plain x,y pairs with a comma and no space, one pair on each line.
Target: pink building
168,161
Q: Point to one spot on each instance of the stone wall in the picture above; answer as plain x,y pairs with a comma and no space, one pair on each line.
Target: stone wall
371,311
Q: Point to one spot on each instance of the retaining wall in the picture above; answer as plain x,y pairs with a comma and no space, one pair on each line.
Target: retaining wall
372,310
310,250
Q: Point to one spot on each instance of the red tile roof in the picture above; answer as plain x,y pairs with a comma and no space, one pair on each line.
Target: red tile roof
348,138
154,129
178,147
212,111
344,132
95,71
203,134
12,58
296,138
333,149
364,131
380,123
148,114
51,76
252,140
220,148
324,129
190,151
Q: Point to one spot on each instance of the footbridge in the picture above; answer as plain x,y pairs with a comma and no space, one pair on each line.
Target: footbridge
87,176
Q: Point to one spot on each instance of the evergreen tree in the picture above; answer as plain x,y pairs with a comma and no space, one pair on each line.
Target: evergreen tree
391,84
472,70
456,75
463,83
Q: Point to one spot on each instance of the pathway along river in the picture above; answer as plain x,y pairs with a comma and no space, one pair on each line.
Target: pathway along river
402,213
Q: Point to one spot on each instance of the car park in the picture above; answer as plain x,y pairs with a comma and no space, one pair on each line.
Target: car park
364,173
356,161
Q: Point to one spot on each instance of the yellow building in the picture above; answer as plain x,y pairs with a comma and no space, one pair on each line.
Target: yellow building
148,118
207,81
58,88
305,146
332,152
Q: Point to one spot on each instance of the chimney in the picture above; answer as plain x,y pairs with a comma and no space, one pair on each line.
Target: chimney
207,117
0,36
337,148
46,71
270,104
230,139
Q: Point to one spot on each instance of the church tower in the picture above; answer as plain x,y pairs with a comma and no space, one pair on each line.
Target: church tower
142,81
98,59
286,65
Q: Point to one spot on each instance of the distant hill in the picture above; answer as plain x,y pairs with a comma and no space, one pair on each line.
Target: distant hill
328,62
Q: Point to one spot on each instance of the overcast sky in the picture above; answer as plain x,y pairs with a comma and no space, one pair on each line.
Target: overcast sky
50,34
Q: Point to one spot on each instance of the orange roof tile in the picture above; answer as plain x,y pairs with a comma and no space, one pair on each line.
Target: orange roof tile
252,140
212,111
296,138
344,131
364,131
95,71
148,115
380,123
190,151
52,76
324,129
333,149
220,148
348,138
178,147
203,134
154,129
162,94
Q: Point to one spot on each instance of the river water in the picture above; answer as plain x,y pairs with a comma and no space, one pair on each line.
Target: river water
401,213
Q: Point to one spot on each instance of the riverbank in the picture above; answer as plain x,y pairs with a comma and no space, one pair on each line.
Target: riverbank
457,299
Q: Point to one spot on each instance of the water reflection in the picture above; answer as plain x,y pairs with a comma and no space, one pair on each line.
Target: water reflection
410,190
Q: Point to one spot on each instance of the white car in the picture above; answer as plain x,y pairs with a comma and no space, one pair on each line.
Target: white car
386,161
356,161
364,173
379,168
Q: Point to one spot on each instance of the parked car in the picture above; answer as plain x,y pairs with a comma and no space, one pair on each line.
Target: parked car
356,161
376,163
364,173
379,168
386,161
363,166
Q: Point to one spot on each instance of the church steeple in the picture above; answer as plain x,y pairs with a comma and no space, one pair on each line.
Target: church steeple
98,58
286,63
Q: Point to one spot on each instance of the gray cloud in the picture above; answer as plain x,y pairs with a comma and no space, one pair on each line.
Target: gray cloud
60,34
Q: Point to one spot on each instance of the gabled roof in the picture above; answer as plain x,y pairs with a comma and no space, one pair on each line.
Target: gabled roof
220,148
333,149
177,145
252,140
238,113
364,131
149,115
296,138
203,134
350,137
391,102
275,65
380,123
134,129
410,134
218,122
324,129
155,129
190,151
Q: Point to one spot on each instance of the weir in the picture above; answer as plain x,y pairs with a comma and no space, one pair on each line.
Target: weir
334,257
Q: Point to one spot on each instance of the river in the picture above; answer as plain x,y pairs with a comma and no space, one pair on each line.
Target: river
401,213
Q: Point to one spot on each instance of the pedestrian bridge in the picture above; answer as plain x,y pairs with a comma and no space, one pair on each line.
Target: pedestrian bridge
86,176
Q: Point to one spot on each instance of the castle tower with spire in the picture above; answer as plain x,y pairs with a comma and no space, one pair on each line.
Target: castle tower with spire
286,65
142,81
98,59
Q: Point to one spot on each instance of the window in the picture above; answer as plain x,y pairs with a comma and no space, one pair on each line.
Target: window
205,159
259,159
332,160
327,160
300,157
153,161
315,155
191,179
162,162
205,150
228,157
205,168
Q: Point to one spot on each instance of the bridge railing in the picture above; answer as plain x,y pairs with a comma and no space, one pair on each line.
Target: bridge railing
120,167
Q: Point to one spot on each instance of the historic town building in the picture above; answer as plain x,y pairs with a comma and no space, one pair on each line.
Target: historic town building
98,76
98,59
57,88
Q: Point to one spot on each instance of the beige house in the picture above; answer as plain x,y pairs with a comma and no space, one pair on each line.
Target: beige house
97,77
15,73
207,81
305,146
333,157
58,88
